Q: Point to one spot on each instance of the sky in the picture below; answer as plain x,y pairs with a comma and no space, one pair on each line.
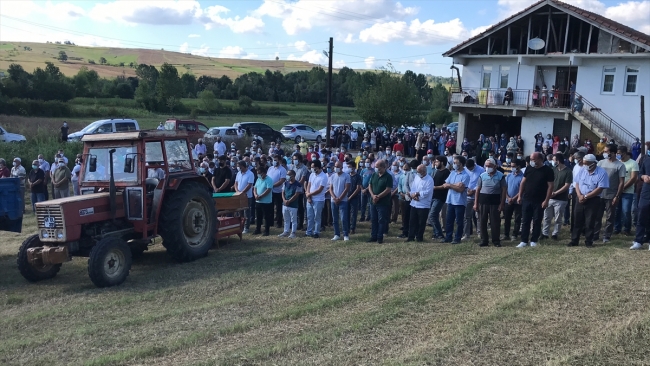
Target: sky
368,34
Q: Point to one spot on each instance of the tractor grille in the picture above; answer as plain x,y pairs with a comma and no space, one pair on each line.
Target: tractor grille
49,212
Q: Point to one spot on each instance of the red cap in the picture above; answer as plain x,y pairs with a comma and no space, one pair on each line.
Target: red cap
429,151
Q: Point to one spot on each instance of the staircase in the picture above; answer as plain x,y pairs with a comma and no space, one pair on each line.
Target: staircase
601,124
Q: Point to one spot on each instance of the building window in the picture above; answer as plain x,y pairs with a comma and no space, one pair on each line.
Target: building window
505,72
631,77
487,75
608,79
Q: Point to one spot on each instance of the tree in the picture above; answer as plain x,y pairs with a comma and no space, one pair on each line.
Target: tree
439,97
168,86
62,56
208,102
391,103
189,85
102,60
439,117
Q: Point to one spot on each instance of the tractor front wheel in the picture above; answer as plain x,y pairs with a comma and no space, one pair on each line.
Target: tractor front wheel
29,271
109,262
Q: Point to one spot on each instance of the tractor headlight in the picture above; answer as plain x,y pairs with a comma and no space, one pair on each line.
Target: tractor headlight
44,234
59,233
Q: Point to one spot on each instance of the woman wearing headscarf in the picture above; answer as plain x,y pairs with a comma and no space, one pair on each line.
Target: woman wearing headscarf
479,145
549,139
546,149
512,146
556,143
575,143
466,146
589,146
600,147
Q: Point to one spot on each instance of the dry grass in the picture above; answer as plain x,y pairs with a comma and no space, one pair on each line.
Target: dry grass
269,301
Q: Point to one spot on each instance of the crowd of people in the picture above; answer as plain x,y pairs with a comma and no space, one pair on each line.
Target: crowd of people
420,178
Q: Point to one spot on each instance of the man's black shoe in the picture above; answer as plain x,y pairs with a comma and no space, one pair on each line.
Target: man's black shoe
409,240
266,233
572,244
498,245
315,236
380,241
543,237
257,232
371,240
554,237
482,245
402,236
589,246
419,240
455,242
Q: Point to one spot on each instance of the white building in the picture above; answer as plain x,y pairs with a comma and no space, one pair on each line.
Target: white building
608,62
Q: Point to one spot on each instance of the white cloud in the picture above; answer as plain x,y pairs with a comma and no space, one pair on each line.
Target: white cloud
194,36
63,11
301,46
313,56
415,33
201,51
303,15
349,38
478,30
370,62
420,62
147,12
339,64
236,52
184,47
212,16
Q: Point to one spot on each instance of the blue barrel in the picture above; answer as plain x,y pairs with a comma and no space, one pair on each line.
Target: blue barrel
11,205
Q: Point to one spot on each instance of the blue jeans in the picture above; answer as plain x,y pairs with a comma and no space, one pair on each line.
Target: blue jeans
455,213
379,221
365,200
353,210
624,213
37,197
314,212
341,211
434,217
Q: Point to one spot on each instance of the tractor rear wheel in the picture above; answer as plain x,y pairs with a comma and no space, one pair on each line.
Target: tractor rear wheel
109,262
188,222
30,272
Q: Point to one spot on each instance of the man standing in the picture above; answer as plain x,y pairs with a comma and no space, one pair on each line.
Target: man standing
380,188
589,184
244,182
222,176
421,194
456,183
200,148
474,171
562,180
440,175
75,176
354,195
610,198
366,173
61,180
513,181
219,147
18,171
489,200
534,194
394,197
290,198
36,184
264,204
643,209
45,167
64,132
624,209
315,195
578,163
404,189
340,211
278,174
301,177
4,171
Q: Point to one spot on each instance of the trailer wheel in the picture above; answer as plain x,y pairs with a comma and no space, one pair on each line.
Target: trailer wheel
188,222
30,272
109,262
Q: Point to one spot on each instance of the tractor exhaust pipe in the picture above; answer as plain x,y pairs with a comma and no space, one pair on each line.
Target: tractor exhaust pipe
111,185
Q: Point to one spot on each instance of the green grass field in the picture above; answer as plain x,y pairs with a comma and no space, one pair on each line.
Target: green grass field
313,301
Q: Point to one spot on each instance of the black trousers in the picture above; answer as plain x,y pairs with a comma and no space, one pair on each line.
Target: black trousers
585,219
508,211
574,200
264,211
326,215
406,217
301,211
531,211
417,223
492,213
277,203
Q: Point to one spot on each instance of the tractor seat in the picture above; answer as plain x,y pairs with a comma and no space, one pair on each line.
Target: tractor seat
151,184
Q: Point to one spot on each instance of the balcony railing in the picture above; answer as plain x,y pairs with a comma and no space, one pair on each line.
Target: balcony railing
597,118
526,98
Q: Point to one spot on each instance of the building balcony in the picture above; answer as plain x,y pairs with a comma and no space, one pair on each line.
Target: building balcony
473,99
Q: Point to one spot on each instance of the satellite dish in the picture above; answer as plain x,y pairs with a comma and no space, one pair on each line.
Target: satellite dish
536,44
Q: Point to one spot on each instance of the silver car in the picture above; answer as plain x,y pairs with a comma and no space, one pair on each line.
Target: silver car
227,134
297,131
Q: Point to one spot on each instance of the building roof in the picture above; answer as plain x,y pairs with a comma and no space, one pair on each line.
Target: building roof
600,21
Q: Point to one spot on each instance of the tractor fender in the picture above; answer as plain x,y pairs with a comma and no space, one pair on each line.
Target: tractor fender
175,182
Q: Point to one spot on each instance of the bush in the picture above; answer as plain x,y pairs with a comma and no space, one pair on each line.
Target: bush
38,108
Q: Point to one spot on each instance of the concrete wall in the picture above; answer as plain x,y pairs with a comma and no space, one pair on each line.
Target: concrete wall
531,125
460,134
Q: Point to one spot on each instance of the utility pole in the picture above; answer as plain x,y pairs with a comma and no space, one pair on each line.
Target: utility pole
328,130
643,140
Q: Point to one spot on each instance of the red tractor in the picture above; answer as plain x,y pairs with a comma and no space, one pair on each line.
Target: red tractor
134,186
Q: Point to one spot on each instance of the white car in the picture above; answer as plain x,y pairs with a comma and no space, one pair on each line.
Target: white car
227,134
297,131
10,137
106,126
323,131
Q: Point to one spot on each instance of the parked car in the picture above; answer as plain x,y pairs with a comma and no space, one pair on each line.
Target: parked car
10,137
227,134
359,126
194,129
414,130
297,131
323,131
106,126
261,129
453,127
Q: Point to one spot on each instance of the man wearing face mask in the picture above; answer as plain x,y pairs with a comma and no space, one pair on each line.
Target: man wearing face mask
610,197
354,195
339,187
421,194
36,183
222,176
315,195
403,190
440,175
219,147
513,181
643,208
380,188
244,182
534,194
489,200
474,171
302,173
456,184
366,173
45,167
589,184
75,175
290,198
394,197
61,180
278,174
4,171
200,148
563,178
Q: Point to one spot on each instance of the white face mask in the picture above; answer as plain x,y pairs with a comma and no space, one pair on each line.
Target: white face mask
454,167
338,170
532,163
605,156
489,170
288,177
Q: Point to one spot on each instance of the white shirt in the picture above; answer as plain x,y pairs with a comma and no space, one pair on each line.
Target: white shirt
220,148
315,182
575,171
424,186
200,149
354,135
75,172
242,180
277,174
